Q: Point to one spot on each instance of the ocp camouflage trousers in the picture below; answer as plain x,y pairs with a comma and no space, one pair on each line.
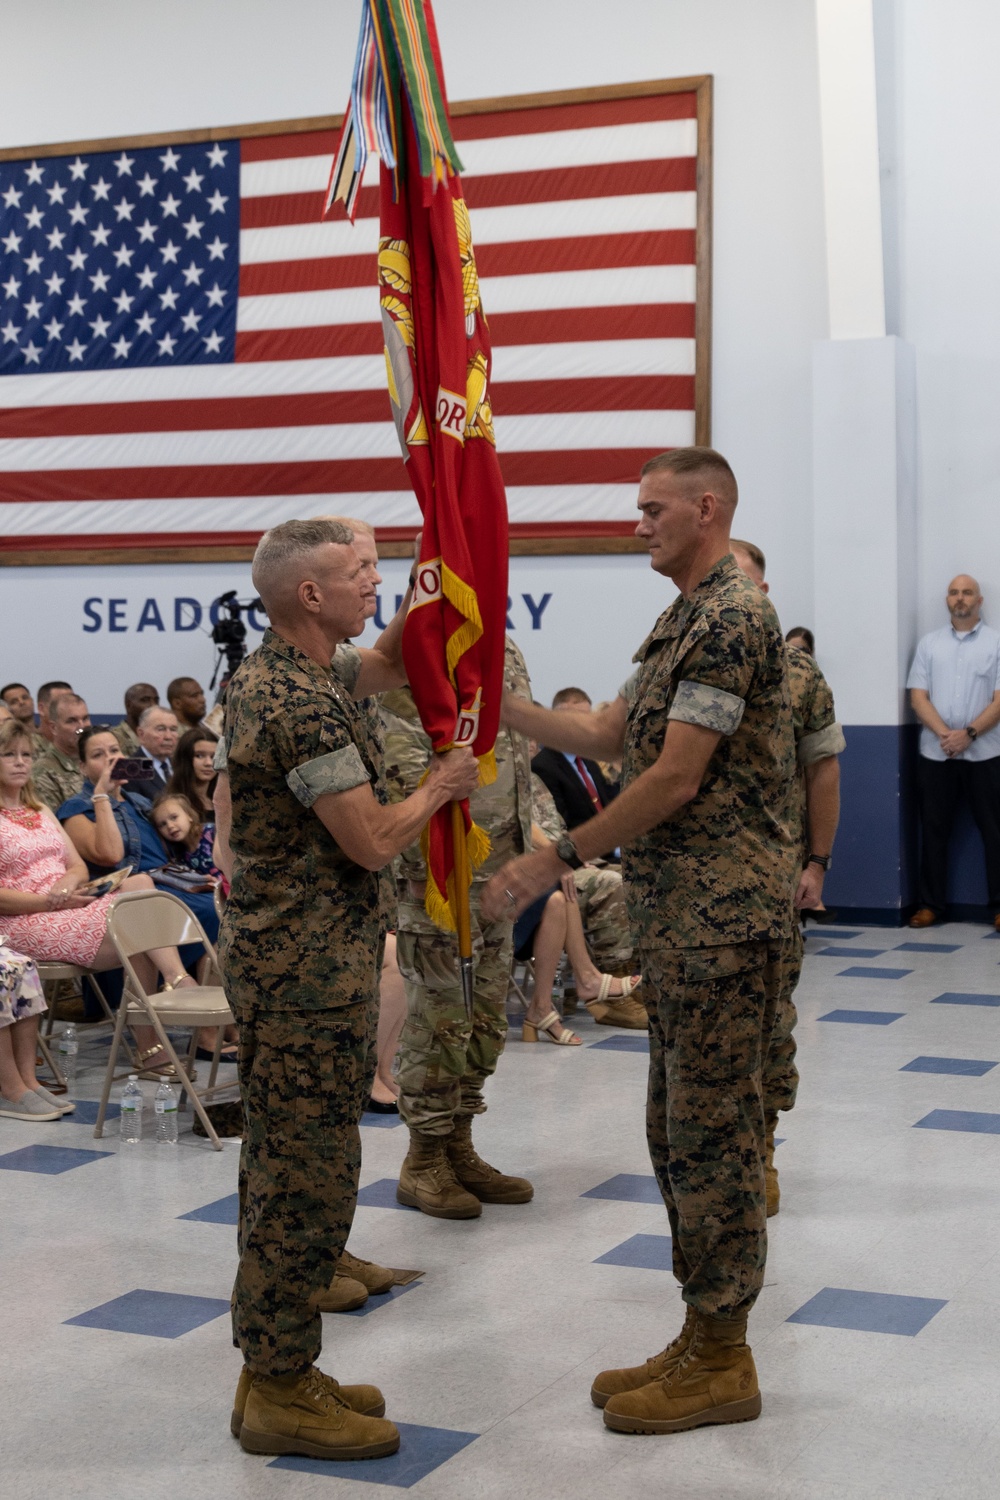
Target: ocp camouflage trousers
304,1079
444,1059
781,1076
709,1012
605,921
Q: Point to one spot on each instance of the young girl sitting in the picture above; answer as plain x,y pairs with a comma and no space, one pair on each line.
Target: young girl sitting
188,840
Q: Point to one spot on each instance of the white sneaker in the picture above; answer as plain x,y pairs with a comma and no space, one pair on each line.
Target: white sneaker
64,1105
31,1107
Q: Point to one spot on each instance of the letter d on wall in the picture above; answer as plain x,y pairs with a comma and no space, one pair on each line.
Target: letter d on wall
180,622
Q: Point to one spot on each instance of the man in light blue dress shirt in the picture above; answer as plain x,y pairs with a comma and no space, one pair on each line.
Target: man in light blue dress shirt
954,687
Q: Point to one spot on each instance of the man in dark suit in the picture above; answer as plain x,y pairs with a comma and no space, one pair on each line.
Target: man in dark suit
157,735
579,787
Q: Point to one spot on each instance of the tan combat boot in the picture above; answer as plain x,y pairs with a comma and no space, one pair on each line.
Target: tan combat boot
713,1381
616,1382
304,1414
772,1192
366,1399
427,1181
344,1294
378,1279
476,1175
624,1011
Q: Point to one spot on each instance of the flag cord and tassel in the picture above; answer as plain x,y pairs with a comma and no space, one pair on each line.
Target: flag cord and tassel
463,916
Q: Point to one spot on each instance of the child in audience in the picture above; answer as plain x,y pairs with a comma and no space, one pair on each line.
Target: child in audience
187,838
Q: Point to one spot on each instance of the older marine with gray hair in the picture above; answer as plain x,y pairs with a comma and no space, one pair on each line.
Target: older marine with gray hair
301,934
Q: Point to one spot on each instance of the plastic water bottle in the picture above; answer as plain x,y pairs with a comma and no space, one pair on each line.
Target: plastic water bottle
67,1049
166,1115
559,985
131,1111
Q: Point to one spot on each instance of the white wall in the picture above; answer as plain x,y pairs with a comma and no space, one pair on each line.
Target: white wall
947,123
112,67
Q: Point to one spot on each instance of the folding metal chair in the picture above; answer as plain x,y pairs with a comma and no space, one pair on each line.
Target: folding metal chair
137,922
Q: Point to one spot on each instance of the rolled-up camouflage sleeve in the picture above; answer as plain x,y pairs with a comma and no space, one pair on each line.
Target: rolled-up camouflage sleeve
821,744
220,760
337,771
707,706
629,687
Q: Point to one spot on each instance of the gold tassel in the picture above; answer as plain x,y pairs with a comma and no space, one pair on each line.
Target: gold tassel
488,768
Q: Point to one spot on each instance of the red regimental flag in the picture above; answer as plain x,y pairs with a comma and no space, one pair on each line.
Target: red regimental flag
438,365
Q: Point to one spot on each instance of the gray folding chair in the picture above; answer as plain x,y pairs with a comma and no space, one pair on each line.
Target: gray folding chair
137,922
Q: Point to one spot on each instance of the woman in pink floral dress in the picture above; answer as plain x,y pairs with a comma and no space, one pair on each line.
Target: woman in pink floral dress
41,910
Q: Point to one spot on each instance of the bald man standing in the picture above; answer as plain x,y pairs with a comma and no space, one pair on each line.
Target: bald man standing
954,685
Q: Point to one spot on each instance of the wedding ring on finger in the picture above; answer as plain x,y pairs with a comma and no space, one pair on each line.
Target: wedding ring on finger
511,898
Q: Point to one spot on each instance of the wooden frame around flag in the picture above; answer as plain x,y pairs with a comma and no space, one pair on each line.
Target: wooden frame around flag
541,538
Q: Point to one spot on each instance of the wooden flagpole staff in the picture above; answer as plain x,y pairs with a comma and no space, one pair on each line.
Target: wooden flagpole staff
463,915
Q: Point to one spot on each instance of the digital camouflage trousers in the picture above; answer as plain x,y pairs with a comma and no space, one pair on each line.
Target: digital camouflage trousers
710,1011
444,1058
781,1076
305,1077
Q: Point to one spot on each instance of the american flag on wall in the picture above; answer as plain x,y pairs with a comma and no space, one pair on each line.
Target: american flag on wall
188,355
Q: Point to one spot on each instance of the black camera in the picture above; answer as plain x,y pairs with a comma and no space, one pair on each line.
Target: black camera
230,634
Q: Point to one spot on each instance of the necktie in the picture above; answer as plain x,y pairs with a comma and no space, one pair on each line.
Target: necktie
588,781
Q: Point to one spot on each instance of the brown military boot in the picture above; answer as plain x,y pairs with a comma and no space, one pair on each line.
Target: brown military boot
427,1181
772,1191
623,1011
713,1381
476,1175
616,1382
366,1399
378,1279
344,1294
304,1414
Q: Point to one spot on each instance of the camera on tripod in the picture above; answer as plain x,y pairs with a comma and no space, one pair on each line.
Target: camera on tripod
230,634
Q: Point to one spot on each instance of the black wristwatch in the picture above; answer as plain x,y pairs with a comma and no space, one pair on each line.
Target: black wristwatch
972,731
566,850
823,860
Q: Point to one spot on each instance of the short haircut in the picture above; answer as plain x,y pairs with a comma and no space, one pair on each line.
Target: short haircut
808,639
752,551
175,688
64,700
154,708
696,463
569,695
292,539
48,688
351,522
86,735
10,686
137,688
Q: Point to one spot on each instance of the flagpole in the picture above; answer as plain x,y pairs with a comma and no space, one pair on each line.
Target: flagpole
463,917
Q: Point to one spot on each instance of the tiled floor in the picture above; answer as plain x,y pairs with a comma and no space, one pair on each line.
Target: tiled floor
875,1336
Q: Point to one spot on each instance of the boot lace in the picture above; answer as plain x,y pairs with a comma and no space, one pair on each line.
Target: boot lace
324,1389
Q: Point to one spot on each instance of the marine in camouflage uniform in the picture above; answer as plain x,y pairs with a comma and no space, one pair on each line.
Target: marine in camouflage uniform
444,1058
599,892
299,946
56,776
817,736
707,895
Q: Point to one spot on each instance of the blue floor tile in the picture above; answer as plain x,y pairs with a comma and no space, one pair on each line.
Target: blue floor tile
859,971
969,1120
957,998
86,1112
380,1121
868,1312
850,952
825,934
421,1451
926,947
648,1252
383,1299
50,1160
382,1194
864,1017
158,1315
972,1067
621,1044
627,1187
222,1211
